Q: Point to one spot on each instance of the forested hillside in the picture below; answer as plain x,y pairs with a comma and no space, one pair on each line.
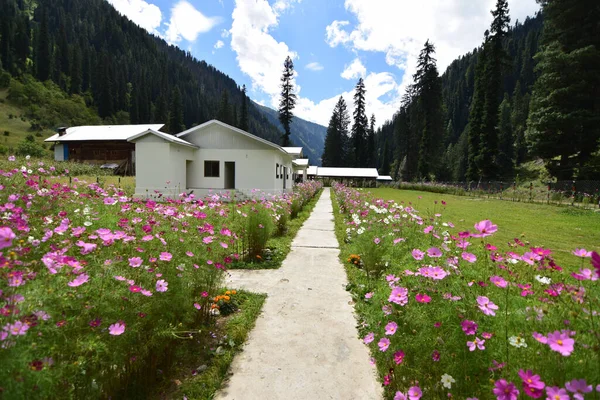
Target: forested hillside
530,92
101,60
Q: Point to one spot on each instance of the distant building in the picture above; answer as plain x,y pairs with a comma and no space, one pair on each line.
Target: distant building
99,144
213,157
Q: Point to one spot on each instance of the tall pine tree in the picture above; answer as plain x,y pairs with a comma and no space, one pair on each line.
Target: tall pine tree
564,117
360,127
43,53
244,114
506,139
371,157
336,137
176,124
288,99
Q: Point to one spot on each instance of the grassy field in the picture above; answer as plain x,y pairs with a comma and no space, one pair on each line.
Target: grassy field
559,228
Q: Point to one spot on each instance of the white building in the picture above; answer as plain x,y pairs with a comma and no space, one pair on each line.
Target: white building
210,158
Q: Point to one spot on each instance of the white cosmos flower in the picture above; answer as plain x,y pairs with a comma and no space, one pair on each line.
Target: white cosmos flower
517,341
543,279
447,381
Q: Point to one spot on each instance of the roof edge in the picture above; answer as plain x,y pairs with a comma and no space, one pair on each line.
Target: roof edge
162,135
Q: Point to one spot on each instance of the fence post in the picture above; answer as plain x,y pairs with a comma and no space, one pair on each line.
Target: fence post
70,180
548,196
573,194
501,189
530,192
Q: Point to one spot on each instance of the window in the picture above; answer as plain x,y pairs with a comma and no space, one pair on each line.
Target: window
277,171
211,169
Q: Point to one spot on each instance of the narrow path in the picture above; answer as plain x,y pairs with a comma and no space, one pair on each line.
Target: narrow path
304,345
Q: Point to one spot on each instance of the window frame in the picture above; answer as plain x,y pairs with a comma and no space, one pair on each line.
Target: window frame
207,169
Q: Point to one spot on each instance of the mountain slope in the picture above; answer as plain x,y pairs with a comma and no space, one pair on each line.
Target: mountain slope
307,134
123,73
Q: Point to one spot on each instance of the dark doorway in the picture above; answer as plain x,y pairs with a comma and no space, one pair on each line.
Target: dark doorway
229,175
284,176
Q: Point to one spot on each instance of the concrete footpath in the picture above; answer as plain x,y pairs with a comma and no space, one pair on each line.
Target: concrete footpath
305,343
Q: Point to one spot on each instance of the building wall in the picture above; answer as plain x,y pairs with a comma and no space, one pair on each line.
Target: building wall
153,169
59,152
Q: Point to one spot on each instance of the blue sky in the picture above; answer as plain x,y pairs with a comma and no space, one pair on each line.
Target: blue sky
332,42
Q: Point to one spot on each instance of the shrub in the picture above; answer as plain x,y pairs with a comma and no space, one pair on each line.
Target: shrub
259,227
4,79
30,148
6,133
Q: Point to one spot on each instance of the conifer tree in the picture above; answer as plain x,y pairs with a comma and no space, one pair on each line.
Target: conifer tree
385,162
76,72
359,127
371,160
43,54
336,137
288,99
225,113
564,117
505,138
244,114
176,124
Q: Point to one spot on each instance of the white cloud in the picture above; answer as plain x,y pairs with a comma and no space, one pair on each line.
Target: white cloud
225,33
400,28
219,44
314,66
186,22
355,70
259,55
146,15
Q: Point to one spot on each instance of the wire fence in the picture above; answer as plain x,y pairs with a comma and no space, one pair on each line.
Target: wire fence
576,193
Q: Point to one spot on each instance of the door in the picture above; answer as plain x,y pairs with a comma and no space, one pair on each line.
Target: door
229,175
284,176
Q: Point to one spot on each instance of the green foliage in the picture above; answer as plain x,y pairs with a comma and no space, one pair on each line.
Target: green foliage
259,227
30,148
336,139
360,128
4,79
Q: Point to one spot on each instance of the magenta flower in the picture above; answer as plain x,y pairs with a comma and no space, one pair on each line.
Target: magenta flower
368,295
556,393
80,280
166,256
435,356
376,240
468,257
505,390
224,245
485,228
414,393
596,261
422,298
561,343
579,387
18,328
399,296
540,338
391,328
487,335
469,327
434,252
499,281
582,253
383,344
400,396
135,262
135,288
398,357
6,237
532,384
95,323
486,305
161,286
418,254
369,338
477,343
117,328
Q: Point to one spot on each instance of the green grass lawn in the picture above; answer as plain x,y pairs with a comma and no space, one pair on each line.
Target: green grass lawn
561,229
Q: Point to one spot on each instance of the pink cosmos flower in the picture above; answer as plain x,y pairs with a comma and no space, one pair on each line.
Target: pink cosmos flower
384,344
417,254
399,296
435,356
556,393
207,240
540,338
398,240
224,245
398,357
135,289
189,254
428,229
376,240
486,305
532,384
596,261
485,228
468,257
414,393
6,237
197,306
80,280
400,396
368,295
582,253
161,285
499,281
579,387
469,327
369,338
117,328
561,343
391,328
422,298
135,262
166,256
585,274
434,252
477,343
18,328
505,390
204,294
